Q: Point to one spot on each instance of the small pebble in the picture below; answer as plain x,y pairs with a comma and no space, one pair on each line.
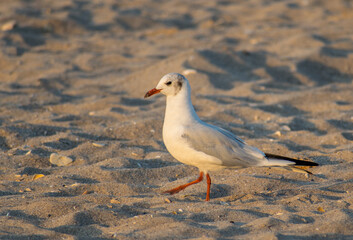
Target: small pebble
189,71
8,25
285,128
224,203
99,144
114,201
278,133
59,160
320,209
36,176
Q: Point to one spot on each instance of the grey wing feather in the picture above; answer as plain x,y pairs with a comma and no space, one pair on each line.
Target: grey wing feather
222,144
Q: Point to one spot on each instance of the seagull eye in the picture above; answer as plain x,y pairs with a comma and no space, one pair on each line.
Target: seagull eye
168,83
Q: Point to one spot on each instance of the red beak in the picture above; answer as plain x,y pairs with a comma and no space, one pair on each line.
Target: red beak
152,92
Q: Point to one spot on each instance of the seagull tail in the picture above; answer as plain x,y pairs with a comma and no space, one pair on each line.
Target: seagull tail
291,164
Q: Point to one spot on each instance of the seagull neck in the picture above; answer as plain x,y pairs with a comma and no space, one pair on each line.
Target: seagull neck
179,108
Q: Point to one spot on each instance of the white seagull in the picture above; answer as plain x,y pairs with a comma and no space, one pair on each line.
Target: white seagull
207,147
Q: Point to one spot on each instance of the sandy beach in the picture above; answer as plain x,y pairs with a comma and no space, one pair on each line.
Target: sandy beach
82,154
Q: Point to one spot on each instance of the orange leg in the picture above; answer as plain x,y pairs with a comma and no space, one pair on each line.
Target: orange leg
182,187
208,187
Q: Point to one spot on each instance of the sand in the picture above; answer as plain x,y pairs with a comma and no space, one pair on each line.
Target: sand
72,78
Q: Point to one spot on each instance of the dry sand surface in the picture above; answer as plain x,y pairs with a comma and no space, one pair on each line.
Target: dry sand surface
72,78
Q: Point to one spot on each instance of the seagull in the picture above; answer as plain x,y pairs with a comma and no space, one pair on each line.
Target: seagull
207,147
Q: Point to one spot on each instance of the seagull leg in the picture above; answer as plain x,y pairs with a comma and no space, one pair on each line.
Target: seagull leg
182,187
208,187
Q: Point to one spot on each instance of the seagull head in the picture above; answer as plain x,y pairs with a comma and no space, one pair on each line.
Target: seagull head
170,85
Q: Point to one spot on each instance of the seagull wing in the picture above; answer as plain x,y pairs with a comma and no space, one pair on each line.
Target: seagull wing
223,145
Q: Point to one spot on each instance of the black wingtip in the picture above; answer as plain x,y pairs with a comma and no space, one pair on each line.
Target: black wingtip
296,161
